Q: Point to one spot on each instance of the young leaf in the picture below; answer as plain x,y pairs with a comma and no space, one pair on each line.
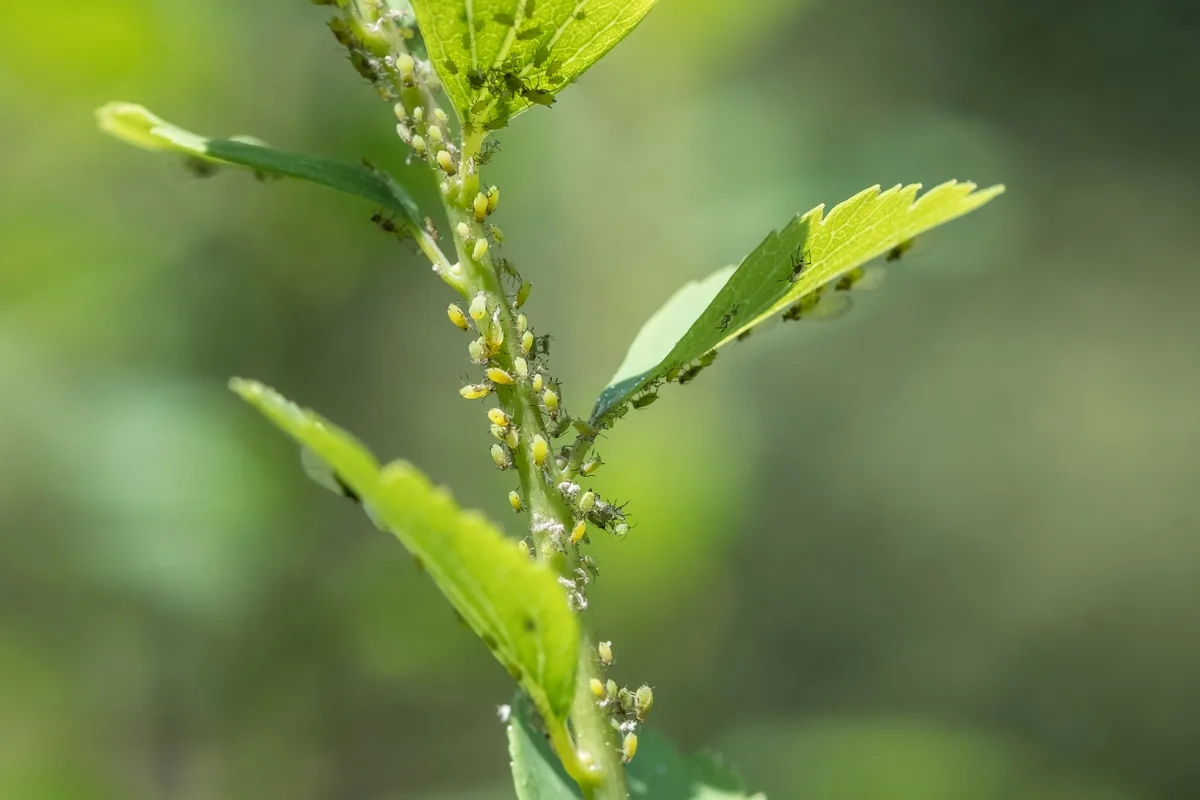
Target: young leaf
790,268
497,58
660,773
514,604
537,772
137,126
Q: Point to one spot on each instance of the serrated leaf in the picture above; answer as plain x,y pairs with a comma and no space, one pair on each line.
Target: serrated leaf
497,58
706,315
136,125
659,772
513,603
537,772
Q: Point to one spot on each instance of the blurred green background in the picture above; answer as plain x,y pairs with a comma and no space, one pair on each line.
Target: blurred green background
944,549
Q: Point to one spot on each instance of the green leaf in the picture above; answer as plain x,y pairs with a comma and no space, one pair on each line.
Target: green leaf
137,126
660,773
513,603
537,772
706,315
497,58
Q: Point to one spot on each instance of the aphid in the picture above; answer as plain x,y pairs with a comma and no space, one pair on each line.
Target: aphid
449,66
597,688
527,342
672,372
512,438
542,344
496,234
550,400
404,133
541,449
418,143
523,294
521,366
457,317
537,383
610,689
644,400
481,248
690,374
493,193
430,228
620,530
586,430
489,149
579,531
514,500
728,318
497,432
463,230
847,281
564,422
445,160
586,501
625,701
479,206
387,224
419,113
477,351
591,465
405,64
604,649
200,167
476,391
478,309
708,358
497,375
498,417
500,456
800,262
744,335
642,702
897,252
495,335
522,323
434,134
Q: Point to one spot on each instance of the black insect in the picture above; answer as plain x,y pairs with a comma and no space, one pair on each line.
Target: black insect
728,318
897,252
800,262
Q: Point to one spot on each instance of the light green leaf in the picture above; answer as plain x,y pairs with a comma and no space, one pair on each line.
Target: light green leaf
137,126
660,773
537,772
497,58
705,315
514,604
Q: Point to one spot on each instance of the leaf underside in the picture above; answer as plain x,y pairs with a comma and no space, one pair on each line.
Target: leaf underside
497,58
136,125
791,269
514,604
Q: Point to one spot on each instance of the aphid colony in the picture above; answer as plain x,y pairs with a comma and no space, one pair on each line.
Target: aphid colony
627,709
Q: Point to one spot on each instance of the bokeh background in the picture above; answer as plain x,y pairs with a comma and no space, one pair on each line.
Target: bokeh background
944,549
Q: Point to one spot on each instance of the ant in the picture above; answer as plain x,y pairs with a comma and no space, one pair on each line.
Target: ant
728,318
800,262
388,225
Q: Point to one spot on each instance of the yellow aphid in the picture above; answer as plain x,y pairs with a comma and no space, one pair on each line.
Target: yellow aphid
500,456
606,653
457,317
629,747
401,112
493,199
495,336
498,417
537,383
522,367
550,399
497,375
481,248
527,342
440,115
512,438
611,687
590,466
621,530
445,160
476,391
514,500
578,531
480,207
404,133
498,432
435,136
643,700
587,501
463,230
405,64
522,323
476,351
478,308
523,293
541,449
597,688
418,143
419,113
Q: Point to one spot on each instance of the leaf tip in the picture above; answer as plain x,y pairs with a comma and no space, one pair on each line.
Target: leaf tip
131,123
